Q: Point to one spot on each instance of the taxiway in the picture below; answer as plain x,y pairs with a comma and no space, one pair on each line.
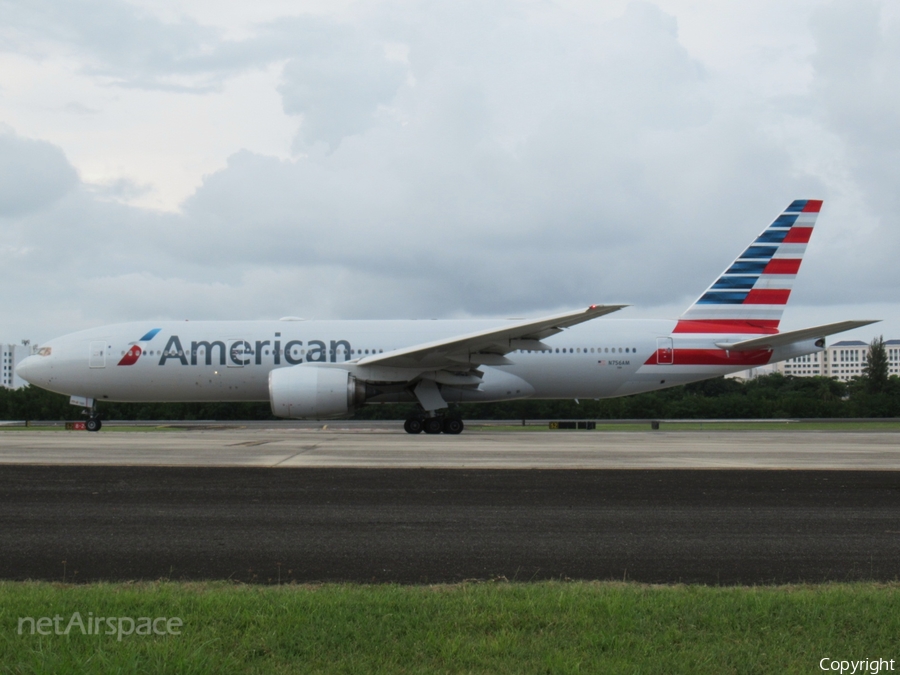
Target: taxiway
388,447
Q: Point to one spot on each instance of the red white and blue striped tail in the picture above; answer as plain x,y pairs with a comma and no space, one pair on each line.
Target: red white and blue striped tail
750,296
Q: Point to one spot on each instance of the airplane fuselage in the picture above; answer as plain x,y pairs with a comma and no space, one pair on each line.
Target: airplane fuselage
231,360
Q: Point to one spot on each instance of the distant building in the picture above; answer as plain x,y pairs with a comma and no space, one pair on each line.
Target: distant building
752,373
811,365
10,356
843,361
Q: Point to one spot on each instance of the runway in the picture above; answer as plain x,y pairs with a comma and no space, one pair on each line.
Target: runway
310,504
87,523
386,446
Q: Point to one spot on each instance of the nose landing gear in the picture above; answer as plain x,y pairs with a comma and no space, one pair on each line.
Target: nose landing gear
92,423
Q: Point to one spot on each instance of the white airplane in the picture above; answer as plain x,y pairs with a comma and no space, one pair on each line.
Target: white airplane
327,369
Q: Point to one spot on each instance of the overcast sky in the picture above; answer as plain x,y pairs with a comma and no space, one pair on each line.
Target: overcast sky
206,159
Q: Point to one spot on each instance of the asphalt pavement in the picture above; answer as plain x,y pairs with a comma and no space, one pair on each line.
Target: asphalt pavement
254,524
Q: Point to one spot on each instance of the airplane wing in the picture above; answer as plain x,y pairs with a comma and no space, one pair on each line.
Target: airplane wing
486,347
790,337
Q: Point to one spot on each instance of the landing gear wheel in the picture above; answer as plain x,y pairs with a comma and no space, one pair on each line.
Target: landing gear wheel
452,426
93,424
413,426
432,425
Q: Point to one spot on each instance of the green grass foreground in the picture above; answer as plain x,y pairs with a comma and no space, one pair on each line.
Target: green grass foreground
802,425
547,627
105,429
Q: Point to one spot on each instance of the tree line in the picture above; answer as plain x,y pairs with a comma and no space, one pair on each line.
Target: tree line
874,394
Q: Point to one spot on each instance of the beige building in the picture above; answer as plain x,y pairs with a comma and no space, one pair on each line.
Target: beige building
843,361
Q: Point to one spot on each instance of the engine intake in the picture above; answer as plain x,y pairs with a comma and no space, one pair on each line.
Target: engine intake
313,392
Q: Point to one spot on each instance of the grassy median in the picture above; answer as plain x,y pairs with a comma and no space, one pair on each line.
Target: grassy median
731,425
548,627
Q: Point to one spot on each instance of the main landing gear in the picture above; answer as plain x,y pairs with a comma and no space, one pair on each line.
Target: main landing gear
433,425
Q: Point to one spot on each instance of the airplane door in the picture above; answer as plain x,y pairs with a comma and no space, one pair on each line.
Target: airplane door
665,351
239,354
98,355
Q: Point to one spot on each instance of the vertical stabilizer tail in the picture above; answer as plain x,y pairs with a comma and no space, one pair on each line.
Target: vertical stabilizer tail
750,296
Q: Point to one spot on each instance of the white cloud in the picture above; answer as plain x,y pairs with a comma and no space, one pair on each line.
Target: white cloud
337,80
435,159
33,174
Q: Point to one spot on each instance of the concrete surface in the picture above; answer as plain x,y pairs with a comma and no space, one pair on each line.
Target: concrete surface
385,446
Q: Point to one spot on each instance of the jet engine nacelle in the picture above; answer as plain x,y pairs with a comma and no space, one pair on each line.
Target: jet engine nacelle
314,392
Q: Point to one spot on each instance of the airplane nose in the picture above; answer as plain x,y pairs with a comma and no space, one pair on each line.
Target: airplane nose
30,368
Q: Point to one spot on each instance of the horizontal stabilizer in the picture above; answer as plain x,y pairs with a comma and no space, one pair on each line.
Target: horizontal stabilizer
790,337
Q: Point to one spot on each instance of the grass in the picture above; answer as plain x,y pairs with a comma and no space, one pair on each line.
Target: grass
811,425
547,627
105,429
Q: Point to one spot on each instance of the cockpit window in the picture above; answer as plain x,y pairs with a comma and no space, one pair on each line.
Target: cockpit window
44,351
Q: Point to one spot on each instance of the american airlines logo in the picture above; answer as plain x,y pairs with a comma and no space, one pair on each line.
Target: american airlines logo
135,350
241,352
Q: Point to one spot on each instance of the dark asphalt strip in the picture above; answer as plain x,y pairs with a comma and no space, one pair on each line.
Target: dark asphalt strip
87,523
